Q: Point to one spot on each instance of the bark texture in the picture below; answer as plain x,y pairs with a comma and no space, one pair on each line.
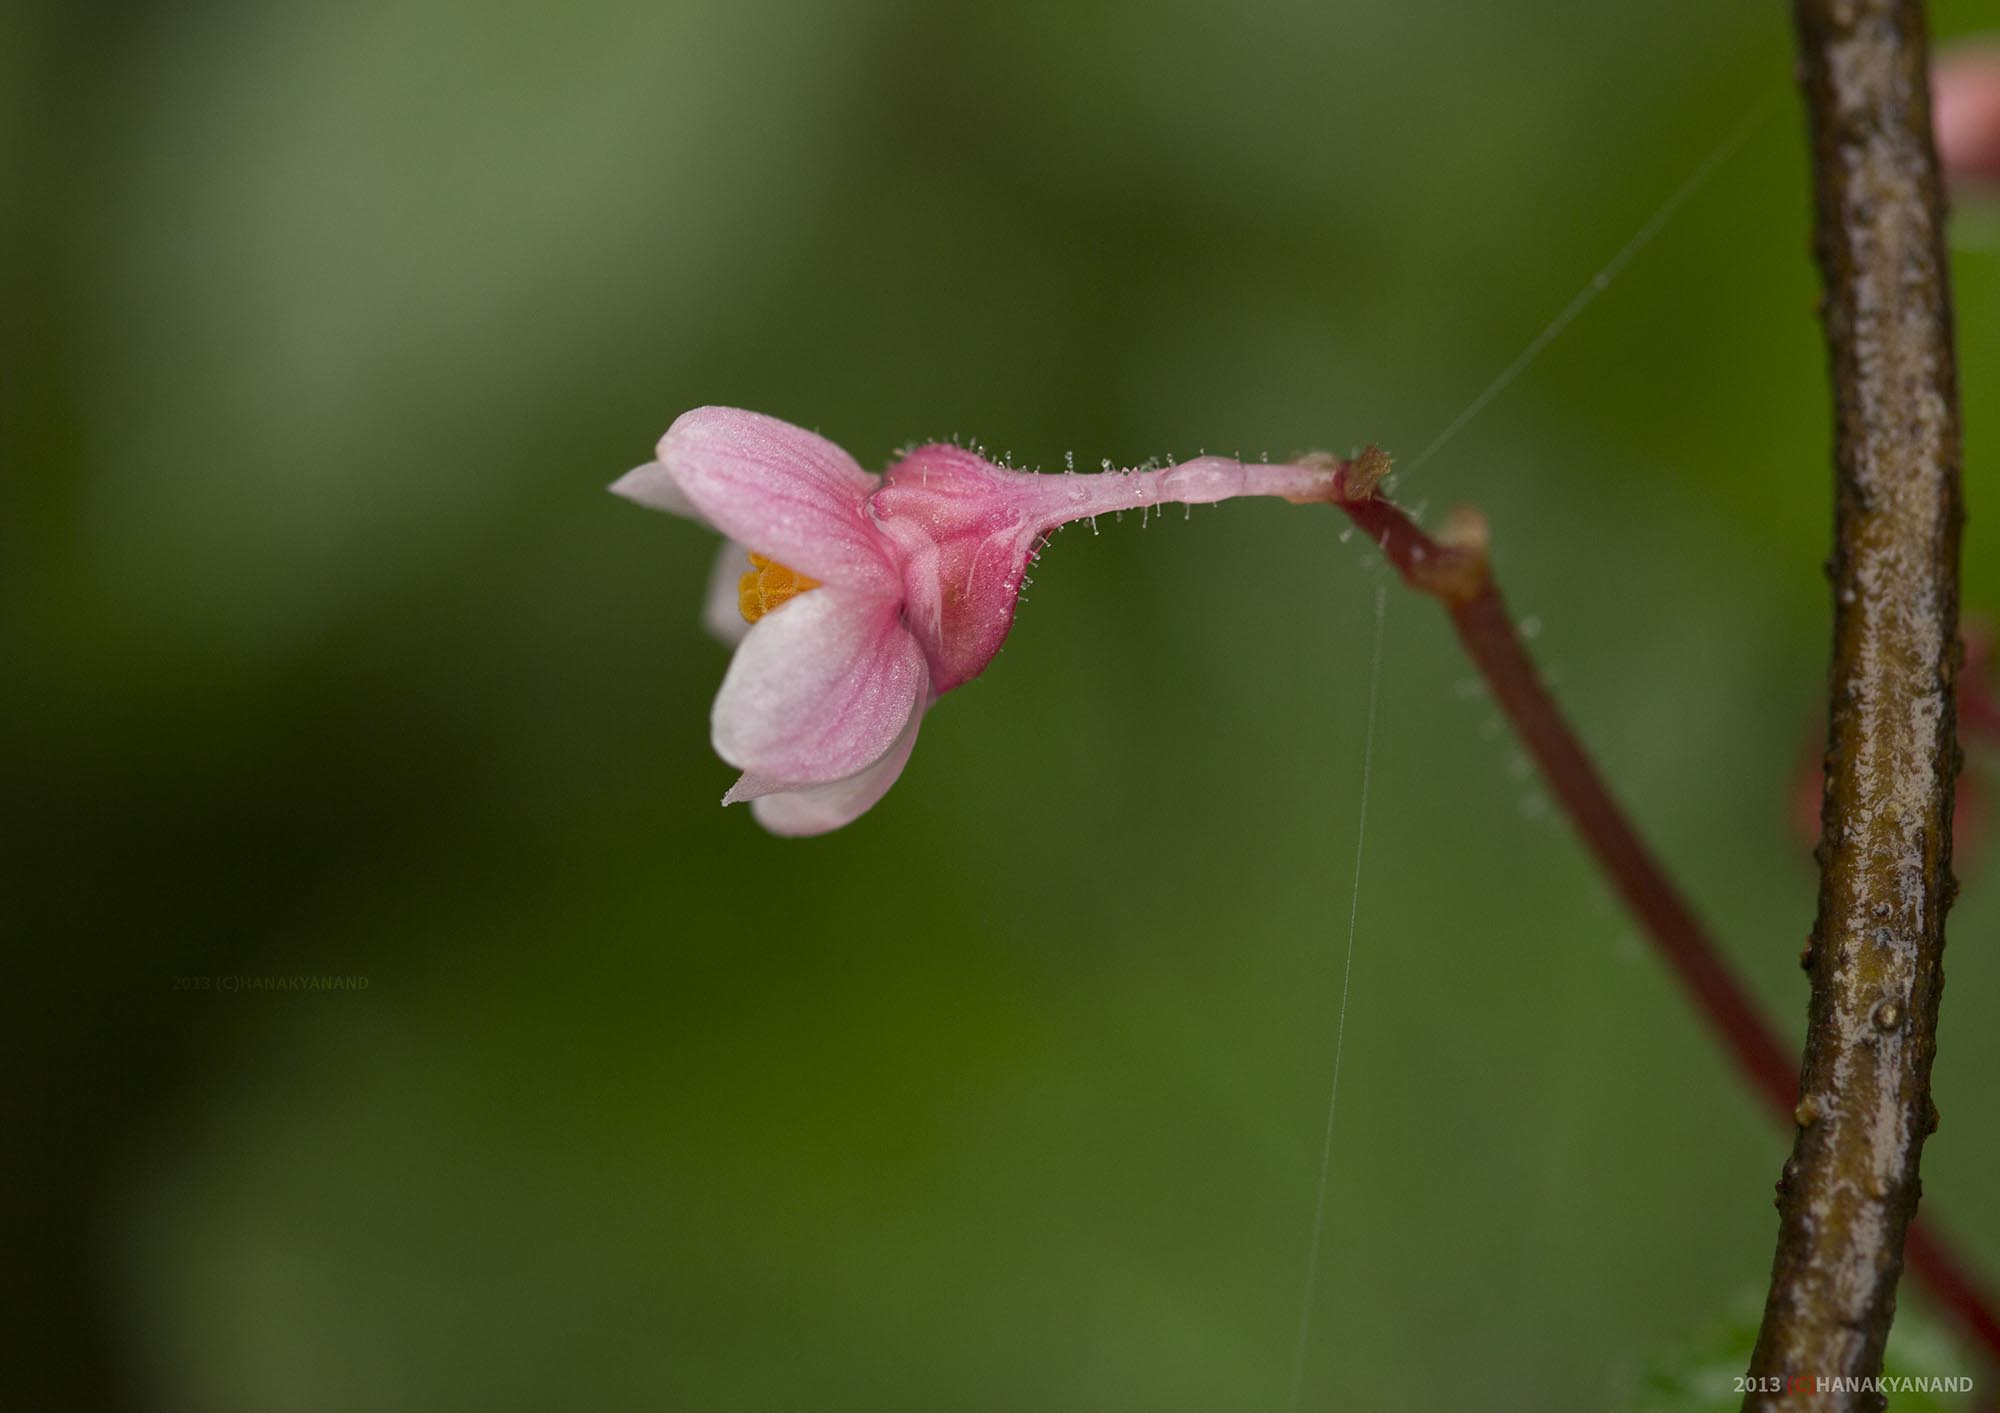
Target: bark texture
1849,1191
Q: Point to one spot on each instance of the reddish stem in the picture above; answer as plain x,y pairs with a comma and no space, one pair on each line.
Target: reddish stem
1453,567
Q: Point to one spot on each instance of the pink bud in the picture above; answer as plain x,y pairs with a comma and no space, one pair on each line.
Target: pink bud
1965,113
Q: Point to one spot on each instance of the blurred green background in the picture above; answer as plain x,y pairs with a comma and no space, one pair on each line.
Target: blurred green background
325,327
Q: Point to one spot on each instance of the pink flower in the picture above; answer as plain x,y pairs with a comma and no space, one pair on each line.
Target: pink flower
1965,113
867,597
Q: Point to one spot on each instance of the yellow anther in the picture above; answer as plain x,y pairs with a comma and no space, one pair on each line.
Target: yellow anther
767,585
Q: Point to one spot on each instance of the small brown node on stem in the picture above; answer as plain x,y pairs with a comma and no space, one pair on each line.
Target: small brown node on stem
1457,573
1360,477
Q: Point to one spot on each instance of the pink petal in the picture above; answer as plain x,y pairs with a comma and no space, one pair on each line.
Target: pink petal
819,808
782,491
653,486
820,689
721,605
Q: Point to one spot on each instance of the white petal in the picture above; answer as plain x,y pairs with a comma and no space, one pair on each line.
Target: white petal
654,487
820,808
820,688
721,608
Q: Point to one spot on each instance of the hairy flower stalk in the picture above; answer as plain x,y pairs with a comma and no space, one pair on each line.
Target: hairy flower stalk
856,600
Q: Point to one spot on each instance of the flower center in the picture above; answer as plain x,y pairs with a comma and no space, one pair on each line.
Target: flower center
767,585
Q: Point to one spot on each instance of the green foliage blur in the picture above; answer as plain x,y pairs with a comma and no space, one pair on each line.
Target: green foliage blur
325,327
